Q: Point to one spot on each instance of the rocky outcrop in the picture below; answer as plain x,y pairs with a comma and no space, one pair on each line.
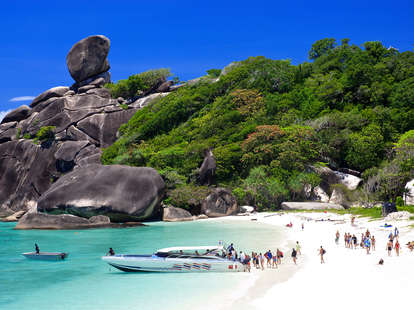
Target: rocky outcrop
88,57
409,195
17,115
208,169
220,202
310,206
85,119
14,217
349,180
26,171
246,209
66,221
8,132
339,197
120,192
320,195
398,216
143,102
173,214
330,177
54,92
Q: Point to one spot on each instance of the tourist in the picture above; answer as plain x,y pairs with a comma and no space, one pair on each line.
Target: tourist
242,257
230,248
247,262
274,258
396,232
367,245
389,247
353,220
346,239
269,259
111,252
303,226
279,255
298,247
397,247
373,243
322,253
37,248
354,241
294,253
337,235
391,237
261,258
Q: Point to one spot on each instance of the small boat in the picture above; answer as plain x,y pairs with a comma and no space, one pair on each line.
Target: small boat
46,255
176,259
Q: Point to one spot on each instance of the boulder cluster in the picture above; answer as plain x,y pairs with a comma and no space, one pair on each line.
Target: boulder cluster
65,170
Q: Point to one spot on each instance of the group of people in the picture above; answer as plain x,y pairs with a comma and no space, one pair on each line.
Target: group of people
259,261
367,242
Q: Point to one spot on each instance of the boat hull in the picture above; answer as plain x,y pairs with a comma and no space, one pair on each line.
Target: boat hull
46,256
141,263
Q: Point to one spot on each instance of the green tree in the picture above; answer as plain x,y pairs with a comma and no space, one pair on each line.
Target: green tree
321,47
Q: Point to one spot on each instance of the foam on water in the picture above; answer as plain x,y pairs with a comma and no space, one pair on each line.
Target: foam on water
83,281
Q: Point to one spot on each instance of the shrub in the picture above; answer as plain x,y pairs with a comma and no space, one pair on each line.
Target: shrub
139,84
214,72
45,134
188,197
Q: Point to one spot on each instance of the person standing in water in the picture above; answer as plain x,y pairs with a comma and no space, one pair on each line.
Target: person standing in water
298,247
322,253
37,248
294,253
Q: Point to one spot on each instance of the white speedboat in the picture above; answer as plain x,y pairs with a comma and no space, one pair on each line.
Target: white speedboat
176,259
46,255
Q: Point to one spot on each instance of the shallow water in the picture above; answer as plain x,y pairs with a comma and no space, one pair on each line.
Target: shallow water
83,281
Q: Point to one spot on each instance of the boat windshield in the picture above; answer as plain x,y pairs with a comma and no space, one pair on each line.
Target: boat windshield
189,253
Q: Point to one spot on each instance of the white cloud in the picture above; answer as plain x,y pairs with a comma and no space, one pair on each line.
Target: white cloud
3,114
22,98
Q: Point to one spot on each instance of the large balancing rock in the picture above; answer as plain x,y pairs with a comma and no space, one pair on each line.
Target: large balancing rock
122,193
88,57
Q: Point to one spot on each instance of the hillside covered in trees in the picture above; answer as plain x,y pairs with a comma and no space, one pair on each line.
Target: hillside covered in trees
269,123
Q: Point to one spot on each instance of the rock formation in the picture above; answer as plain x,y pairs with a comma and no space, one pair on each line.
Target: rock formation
310,206
122,193
208,169
172,214
67,221
220,202
88,58
84,118
409,195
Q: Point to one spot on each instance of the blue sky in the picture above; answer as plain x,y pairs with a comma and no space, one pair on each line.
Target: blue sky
189,37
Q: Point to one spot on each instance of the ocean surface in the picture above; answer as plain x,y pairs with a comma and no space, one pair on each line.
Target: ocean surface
84,281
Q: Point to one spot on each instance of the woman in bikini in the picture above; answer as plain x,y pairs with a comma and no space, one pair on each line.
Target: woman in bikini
389,247
397,248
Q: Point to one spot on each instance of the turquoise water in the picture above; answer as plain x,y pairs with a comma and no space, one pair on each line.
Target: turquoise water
83,281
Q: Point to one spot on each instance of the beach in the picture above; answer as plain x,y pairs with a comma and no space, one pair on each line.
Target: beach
349,278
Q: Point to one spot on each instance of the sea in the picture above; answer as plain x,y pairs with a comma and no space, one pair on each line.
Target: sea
84,281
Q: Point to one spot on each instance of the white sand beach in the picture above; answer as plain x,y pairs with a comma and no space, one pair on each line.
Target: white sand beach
349,279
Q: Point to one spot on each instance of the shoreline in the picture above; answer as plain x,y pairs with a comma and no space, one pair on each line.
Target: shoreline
349,277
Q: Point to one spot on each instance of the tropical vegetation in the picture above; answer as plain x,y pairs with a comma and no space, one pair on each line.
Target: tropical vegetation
269,121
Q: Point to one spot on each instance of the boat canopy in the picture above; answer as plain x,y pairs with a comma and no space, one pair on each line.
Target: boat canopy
191,249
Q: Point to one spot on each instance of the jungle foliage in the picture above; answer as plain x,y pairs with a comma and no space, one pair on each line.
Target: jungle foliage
268,120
